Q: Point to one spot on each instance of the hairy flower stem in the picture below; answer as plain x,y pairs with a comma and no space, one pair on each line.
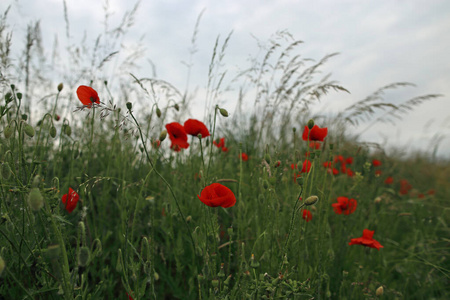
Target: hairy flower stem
163,179
92,130
211,145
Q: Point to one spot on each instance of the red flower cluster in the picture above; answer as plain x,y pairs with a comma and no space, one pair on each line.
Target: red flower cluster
366,240
343,162
315,134
389,180
405,187
87,95
307,215
70,200
344,205
221,145
217,194
376,163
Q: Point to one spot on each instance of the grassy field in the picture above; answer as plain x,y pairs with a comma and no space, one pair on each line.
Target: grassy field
108,190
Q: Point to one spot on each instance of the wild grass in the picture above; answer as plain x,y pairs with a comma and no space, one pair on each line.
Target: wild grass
139,227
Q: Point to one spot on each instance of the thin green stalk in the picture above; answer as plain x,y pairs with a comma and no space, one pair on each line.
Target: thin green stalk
18,283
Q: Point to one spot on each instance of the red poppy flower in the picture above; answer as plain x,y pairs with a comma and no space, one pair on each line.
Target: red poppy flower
315,145
307,215
293,166
339,158
366,240
277,164
335,171
343,169
87,95
378,172
405,187
376,163
306,166
421,195
70,200
316,133
327,164
220,144
177,136
156,144
244,156
224,149
389,180
195,127
350,173
344,205
217,194
129,296
431,192
349,160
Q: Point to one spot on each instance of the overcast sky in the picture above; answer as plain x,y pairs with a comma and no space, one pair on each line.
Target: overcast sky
380,42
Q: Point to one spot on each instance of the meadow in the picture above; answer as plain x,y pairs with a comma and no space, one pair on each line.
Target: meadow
113,189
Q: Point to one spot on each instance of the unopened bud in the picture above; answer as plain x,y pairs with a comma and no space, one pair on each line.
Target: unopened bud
2,265
67,130
19,96
158,112
265,184
83,256
28,129
310,123
163,135
53,131
311,200
331,146
24,117
35,199
300,181
6,171
53,252
8,97
267,158
223,112
129,105
36,181
380,291
9,129
294,129
277,164
188,219
177,107
60,87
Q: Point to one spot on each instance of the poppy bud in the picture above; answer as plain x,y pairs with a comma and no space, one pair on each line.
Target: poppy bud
129,105
254,263
311,200
300,181
227,281
294,129
277,164
163,135
158,112
223,112
188,219
6,171
379,292
215,283
2,265
57,117
310,123
13,87
60,87
53,131
8,97
9,129
83,256
24,117
28,129
35,199
36,181
377,200
19,96
267,158
177,107
156,276
67,130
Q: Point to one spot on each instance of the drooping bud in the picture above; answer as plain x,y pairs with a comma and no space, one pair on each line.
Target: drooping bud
163,135
35,199
311,200
67,130
53,131
60,87
223,112
267,158
9,129
6,171
129,105
28,129
177,107
84,256
158,112
299,181
2,265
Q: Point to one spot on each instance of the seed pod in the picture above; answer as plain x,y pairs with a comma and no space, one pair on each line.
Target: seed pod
6,171
9,129
35,199
84,256
28,129
19,96
53,131
129,105
223,112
